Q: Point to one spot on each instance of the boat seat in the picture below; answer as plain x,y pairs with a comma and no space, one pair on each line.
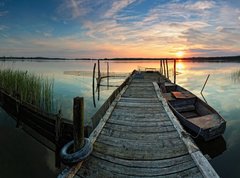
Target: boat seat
170,86
190,114
207,121
185,108
183,95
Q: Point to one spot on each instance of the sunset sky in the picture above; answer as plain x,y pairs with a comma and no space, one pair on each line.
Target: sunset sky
119,28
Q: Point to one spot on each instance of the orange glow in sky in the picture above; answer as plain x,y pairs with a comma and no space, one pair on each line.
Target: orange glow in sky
120,29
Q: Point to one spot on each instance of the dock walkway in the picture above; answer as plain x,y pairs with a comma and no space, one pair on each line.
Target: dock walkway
138,138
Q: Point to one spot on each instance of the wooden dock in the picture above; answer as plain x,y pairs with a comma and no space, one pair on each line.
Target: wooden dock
140,137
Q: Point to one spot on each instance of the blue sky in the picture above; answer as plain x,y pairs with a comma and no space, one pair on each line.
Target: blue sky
119,28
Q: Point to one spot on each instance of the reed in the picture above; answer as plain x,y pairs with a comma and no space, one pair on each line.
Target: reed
235,76
30,88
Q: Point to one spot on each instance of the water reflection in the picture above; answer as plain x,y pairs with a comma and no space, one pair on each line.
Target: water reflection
221,92
20,155
235,76
180,66
212,148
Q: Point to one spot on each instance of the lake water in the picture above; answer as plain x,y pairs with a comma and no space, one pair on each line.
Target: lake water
74,78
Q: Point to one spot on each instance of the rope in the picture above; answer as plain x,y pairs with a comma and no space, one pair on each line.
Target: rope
197,134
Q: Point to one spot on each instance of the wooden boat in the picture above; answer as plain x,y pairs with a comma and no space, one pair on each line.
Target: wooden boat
194,114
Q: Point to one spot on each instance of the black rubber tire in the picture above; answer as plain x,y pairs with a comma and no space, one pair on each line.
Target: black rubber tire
80,155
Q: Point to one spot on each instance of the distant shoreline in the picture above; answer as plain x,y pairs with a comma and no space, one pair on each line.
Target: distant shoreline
191,59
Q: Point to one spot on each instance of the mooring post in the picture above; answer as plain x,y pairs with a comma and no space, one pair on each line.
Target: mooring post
107,75
160,66
58,139
164,68
78,123
174,70
167,68
93,85
99,72
98,92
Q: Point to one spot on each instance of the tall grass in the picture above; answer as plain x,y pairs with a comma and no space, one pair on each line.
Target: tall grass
235,76
30,88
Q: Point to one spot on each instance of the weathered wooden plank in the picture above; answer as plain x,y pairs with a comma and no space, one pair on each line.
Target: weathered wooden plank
140,144
139,171
203,165
102,122
145,163
70,172
135,95
189,114
142,81
137,110
140,124
141,85
150,153
139,105
149,115
207,121
140,89
140,92
139,118
99,172
124,128
134,136
139,100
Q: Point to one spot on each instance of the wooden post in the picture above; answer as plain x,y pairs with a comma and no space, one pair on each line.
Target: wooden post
99,72
78,123
160,66
164,68
107,75
99,92
174,71
58,139
93,85
167,68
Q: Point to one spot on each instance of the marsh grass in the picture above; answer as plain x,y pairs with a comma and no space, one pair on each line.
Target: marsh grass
30,88
235,76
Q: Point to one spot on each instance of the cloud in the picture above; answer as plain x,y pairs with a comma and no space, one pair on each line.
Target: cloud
117,6
71,9
128,28
200,5
170,26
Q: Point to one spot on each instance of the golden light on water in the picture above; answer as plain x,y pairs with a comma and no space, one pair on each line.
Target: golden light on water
180,54
180,66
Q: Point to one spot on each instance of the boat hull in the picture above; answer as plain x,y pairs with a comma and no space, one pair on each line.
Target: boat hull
206,123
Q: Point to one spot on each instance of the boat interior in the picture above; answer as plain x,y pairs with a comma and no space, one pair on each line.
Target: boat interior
190,106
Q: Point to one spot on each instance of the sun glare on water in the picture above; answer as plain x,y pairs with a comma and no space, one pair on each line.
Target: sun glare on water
180,66
179,54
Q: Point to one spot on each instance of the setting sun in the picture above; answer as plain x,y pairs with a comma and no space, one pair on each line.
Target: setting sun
179,54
